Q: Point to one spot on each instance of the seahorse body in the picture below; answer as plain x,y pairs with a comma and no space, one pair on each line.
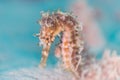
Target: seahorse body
71,43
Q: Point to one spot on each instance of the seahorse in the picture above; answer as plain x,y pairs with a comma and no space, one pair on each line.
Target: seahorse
71,44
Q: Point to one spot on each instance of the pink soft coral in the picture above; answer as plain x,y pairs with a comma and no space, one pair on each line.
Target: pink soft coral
105,69
85,14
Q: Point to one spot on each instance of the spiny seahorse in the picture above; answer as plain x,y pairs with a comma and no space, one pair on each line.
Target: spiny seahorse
71,41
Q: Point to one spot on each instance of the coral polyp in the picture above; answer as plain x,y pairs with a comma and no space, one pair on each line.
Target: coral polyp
71,41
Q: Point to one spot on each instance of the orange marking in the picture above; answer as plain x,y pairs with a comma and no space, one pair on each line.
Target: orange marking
66,43
67,56
66,49
67,64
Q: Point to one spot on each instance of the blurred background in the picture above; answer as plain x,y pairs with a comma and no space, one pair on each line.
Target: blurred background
18,22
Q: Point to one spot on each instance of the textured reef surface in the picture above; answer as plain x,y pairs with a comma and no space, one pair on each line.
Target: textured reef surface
105,69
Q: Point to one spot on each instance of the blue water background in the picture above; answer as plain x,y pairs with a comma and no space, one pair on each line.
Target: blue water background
18,23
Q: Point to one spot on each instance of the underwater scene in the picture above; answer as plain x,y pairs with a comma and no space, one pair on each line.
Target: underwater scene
59,39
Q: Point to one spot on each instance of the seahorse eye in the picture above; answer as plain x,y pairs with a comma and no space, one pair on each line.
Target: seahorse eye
49,20
47,38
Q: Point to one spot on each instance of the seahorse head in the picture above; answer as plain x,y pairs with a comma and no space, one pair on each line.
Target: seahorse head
50,27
